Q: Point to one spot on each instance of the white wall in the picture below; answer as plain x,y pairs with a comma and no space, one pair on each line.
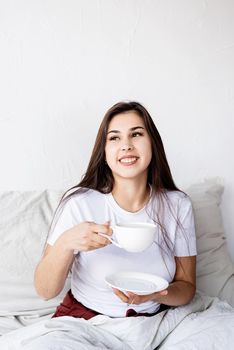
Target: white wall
64,63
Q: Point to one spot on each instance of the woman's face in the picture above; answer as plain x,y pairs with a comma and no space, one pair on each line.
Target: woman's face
128,147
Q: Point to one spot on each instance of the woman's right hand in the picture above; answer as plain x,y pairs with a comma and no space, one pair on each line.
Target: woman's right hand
85,237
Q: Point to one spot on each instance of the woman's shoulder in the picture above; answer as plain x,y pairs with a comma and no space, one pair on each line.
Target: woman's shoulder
178,198
82,195
178,203
176,194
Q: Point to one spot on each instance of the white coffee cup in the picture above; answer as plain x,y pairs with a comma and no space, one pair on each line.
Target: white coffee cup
134,236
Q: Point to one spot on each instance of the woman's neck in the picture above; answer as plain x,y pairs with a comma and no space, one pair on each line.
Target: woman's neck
131,196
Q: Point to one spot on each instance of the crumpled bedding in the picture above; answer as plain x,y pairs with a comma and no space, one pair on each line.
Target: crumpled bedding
205,323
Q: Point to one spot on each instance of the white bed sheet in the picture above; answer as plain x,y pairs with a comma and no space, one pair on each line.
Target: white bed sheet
206,323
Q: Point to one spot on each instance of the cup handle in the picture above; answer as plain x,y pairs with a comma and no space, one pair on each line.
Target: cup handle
110,239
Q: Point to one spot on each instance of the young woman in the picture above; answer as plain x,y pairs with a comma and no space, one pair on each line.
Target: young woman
128,179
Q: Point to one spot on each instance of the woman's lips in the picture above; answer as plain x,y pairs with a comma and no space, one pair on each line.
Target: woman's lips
128,160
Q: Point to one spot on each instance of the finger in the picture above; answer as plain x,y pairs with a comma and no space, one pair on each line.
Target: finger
131,295
121,295
92,241
93,244
164,292
101,228
135,298
100,240
107,223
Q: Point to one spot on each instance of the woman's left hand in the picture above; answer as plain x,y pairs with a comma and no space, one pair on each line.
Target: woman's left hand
132,298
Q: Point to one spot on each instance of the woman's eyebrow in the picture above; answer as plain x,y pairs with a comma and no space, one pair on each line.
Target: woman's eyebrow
136,127
115,131
131,129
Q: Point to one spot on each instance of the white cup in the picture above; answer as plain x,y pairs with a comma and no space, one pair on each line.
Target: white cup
133,237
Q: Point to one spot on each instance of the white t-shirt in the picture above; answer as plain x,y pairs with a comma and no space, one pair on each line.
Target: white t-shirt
90,268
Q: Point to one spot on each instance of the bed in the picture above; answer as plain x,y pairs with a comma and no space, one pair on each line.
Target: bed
206,323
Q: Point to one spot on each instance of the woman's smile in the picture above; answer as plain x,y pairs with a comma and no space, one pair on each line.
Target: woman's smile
128,160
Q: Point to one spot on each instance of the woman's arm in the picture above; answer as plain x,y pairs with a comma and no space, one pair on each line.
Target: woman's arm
181,291
51,272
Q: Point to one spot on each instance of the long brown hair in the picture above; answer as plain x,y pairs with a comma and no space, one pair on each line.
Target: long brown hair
98,175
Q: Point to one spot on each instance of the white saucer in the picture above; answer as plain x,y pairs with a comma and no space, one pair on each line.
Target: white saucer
137,282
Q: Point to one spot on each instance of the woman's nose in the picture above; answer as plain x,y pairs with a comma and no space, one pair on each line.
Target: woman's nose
127,147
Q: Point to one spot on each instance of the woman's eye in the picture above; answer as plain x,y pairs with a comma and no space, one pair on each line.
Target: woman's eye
114,138
136,134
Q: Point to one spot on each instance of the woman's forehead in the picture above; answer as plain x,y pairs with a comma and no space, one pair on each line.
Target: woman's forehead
126,120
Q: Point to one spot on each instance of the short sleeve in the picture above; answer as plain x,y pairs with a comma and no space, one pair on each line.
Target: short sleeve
64,219
185,240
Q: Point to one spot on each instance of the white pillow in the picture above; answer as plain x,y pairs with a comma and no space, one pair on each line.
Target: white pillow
24,221
215,270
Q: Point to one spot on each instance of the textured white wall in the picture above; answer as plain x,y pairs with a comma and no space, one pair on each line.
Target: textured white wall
63,63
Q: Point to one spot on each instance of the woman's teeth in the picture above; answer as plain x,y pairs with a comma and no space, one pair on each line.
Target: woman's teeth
128,160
